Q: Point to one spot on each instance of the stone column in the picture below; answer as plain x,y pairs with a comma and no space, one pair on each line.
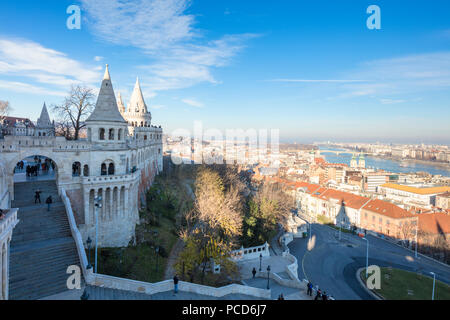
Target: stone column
87,207
111,202
126,207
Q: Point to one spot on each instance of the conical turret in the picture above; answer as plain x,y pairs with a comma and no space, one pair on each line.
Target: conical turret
44,119
137,103
106,108
120,104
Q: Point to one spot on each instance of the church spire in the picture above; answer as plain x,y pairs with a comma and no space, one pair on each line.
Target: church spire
120,104
106,108
44,119
137,103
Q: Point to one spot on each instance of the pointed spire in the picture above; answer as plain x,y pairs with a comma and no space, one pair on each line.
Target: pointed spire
107,76
106,108
120,104
44,119
137,103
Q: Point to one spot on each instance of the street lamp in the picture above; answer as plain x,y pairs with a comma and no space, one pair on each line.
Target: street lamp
367,258
98,204
260,261
89,242
434,281
417,226
268,279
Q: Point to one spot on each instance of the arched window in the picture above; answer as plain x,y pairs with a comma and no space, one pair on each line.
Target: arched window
111,134
101,134
103,171
145,137
111,169
76,169
119,135
86,171
142,123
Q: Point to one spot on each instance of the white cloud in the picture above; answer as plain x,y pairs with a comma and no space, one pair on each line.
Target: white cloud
193,103
179,56
392,101
98,58
22,87
28,59
317,81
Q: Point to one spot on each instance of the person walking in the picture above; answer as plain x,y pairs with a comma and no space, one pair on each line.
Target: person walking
318,295
37,196
310,287
324,296
175,283
49,201
254,273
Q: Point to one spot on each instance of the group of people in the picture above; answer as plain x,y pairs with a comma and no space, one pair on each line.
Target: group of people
37,199
33,170
319,294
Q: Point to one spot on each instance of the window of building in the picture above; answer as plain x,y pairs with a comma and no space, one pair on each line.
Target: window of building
103,170
111,134
119,135
76,169
86,170
101,134
111,169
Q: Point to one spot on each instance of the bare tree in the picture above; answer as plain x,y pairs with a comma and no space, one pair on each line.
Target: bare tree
5,109
408,230
74,110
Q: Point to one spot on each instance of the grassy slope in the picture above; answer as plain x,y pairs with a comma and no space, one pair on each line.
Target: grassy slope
400,281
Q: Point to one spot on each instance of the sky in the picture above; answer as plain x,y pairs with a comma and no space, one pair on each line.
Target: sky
312,69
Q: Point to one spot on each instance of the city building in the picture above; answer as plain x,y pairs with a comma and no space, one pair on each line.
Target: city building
412,194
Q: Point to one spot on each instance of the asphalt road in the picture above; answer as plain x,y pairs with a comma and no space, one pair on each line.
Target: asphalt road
332,263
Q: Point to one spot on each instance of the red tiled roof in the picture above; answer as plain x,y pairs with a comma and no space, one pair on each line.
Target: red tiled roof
435,223
350,200
387,209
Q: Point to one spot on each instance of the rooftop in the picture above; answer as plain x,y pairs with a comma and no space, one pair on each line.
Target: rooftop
416,190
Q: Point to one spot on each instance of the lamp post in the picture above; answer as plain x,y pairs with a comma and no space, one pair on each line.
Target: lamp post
415,249
367,258
260,262
89,242
268,279
97,205
434,281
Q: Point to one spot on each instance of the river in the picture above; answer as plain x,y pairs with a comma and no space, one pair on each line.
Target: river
389,164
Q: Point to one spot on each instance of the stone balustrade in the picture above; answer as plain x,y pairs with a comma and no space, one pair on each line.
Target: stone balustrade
7,224
250,253
111,178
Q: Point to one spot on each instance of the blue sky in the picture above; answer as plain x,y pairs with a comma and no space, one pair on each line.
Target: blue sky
309,68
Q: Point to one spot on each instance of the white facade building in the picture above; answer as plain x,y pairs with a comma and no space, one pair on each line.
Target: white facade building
115,163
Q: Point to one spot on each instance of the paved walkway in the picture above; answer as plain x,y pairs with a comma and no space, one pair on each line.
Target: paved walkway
277,265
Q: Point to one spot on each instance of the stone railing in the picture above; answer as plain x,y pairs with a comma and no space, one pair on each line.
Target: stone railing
76,235
17,143
250,253
167,285
111,178
8,223
110,282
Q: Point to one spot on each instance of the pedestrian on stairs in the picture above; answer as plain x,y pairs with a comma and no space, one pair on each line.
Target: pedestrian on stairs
310,287
49,201
318,295
254,273
37,196
175,283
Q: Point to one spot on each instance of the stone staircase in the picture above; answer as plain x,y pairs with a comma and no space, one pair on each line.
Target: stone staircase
42,246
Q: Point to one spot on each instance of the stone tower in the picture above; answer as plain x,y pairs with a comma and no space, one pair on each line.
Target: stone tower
105,125
353,162
44,127
362,161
